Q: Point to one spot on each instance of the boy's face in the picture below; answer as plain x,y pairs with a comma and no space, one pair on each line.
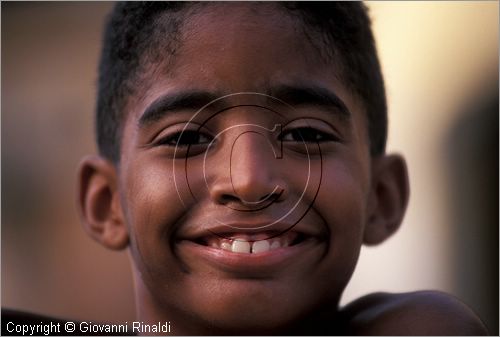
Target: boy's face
298,198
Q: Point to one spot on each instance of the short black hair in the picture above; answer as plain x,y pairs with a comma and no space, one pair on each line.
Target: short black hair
134,31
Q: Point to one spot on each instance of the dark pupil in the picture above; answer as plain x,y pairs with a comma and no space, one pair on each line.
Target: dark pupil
188,137
305,134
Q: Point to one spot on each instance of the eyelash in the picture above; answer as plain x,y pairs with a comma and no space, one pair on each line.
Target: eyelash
182,139
299,135
303,134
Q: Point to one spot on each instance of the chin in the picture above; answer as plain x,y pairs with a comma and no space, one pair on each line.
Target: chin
255,313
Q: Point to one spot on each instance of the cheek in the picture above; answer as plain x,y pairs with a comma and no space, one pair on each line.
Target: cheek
342,203
152,207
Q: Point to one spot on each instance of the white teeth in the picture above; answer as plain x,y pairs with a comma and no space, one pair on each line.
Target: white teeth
260,246
275,245
240,246
225,245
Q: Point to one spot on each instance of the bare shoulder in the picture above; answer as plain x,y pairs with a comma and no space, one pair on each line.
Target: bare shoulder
416,313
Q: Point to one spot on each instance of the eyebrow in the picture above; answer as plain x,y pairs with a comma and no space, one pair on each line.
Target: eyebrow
292,95
311,95
184,100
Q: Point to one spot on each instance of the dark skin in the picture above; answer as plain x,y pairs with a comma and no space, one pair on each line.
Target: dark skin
175,208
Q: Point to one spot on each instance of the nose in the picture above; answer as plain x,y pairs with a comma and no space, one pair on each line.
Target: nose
254,178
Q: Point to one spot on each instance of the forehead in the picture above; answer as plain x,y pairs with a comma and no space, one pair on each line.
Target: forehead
241,24
261,42
225,48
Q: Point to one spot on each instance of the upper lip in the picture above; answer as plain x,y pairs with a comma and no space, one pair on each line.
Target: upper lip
197,230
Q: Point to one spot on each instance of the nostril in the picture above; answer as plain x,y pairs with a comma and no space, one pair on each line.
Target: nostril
228,198
236,202
272,197
233,198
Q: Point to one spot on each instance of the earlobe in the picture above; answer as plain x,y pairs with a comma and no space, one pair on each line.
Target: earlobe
388,198
99,202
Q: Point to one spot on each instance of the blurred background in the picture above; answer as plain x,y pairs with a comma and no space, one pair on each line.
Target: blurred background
440,62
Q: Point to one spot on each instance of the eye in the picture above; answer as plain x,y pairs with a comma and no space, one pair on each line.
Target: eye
185,138
307,135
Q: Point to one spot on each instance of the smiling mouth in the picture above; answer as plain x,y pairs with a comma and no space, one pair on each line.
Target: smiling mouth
252,243
251,254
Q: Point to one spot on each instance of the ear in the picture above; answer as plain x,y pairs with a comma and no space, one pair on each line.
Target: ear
388,198
99,202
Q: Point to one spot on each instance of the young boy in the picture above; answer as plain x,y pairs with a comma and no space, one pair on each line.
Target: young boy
242,163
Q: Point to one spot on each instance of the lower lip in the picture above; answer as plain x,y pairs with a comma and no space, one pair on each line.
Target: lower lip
258,264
